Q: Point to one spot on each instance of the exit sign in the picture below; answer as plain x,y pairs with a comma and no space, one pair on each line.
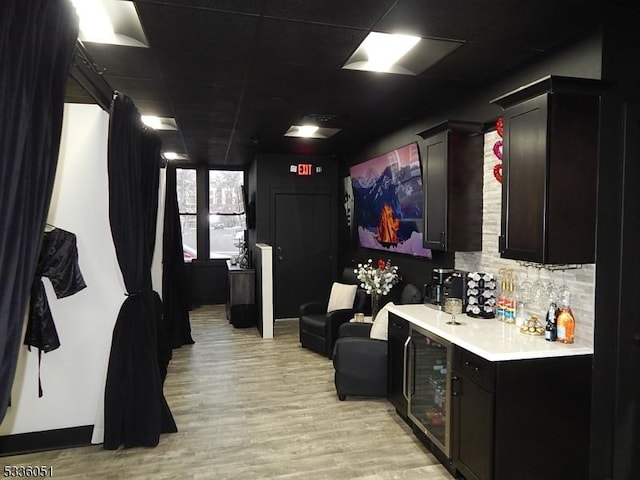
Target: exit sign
304,169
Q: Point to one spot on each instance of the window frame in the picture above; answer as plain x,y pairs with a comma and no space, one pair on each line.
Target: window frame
203,214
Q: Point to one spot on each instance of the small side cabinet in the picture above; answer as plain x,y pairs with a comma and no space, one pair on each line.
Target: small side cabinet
241,301
452,160
550,156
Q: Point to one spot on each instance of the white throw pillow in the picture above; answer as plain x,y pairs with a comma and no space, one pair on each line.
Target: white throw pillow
342,296
380,323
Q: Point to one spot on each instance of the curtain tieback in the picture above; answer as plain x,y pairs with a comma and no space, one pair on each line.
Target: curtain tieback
133,294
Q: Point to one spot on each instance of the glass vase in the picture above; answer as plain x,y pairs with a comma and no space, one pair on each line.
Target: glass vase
375,304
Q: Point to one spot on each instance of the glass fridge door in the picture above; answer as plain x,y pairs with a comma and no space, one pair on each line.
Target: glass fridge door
430,386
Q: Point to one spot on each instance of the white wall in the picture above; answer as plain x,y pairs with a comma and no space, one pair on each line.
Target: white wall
73,376
581,282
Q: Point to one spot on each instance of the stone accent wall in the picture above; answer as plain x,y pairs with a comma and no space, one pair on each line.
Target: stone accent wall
581,281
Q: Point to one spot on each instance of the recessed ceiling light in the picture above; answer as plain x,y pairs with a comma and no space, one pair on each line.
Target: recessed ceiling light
159,123
383,50
174,156
310,131
114,22
307,130
403,54
170,155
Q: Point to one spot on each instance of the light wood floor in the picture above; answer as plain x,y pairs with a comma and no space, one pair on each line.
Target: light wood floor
248,408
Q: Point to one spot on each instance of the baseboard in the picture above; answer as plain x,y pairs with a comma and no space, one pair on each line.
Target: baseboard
47,440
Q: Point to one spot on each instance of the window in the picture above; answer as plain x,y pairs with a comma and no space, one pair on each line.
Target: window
223,213
226,213
187,208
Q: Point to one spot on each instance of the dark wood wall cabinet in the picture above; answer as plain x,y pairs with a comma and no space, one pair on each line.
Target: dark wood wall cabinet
524,419
452,164
550,155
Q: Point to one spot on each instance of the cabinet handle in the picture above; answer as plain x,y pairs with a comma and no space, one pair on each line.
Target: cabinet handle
405,370
455,386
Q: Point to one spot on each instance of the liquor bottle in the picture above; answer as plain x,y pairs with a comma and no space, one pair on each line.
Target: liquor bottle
500,311
566,323
510,300
500,299
551,329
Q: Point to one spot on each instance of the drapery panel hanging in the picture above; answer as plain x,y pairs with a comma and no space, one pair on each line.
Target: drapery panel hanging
37,39
174,281
136,411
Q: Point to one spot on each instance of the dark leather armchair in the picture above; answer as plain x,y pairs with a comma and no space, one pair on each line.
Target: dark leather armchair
319,329
361,362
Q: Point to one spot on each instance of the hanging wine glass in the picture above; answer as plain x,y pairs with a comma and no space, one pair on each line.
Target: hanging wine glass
539,293
552,290
563,293
526,287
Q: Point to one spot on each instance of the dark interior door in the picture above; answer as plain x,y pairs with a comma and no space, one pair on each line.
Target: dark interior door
626,448
303,253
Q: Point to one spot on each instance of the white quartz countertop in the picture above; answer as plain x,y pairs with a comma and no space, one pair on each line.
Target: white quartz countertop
489,338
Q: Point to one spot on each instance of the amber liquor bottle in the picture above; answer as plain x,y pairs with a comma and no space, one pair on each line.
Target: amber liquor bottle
566,323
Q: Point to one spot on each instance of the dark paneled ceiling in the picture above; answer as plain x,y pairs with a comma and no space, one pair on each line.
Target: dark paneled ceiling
235,74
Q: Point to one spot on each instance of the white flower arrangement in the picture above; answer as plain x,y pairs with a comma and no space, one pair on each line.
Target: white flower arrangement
377,279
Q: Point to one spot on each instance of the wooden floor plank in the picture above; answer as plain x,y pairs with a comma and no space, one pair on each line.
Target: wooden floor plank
252,408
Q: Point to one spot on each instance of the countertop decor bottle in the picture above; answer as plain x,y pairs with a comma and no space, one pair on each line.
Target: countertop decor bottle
502,293
551,329
566,323
510,299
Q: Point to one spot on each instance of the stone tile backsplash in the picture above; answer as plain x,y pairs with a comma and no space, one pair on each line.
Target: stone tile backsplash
580,281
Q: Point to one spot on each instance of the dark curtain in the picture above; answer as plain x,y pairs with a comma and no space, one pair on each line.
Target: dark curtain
37,39
136,412
174,280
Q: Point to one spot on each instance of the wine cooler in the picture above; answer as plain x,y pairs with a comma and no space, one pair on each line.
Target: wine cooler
428,386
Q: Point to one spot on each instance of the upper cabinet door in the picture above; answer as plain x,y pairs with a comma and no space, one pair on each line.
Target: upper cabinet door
550,157
452,168
435,208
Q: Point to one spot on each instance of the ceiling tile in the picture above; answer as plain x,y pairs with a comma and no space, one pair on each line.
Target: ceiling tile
232,6
474,62
361,13
203,96
299,43
453,19
201,68
539,25
267,75
196,31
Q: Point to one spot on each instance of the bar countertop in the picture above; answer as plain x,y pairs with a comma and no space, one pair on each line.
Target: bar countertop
489,338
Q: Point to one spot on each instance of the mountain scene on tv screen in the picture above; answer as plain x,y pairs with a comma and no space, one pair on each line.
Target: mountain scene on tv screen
389,209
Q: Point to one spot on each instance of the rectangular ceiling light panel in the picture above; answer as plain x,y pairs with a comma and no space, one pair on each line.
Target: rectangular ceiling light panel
113,22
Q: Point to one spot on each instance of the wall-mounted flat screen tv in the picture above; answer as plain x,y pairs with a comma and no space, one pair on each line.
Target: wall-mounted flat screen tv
389,202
